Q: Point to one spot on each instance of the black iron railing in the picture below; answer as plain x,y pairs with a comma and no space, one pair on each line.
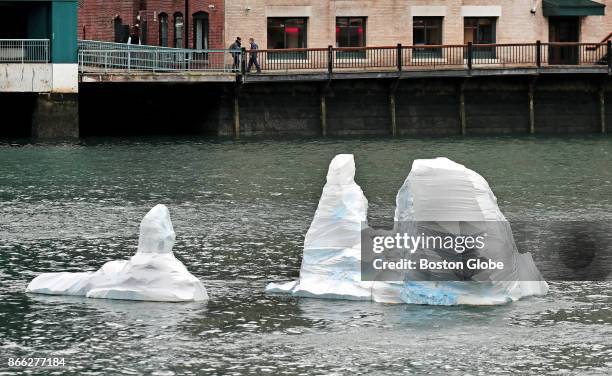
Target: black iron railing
467,56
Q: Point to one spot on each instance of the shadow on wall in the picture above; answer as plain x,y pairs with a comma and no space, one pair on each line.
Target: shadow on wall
16,110
149,109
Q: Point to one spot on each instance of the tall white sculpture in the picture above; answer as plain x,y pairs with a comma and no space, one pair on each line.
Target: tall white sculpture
331,263
153,273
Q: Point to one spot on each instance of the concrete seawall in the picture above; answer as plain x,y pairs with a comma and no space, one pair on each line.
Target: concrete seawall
548,104
434,106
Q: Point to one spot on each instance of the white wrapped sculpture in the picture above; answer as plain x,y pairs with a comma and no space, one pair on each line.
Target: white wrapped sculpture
450,196
331,264
152,274
436,190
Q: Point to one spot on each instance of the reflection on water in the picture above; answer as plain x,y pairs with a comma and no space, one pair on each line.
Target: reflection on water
240,211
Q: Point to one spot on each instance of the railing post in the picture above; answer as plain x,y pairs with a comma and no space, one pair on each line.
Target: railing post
469,55
399,57
129,59
538,53
106,61
243,63
609,55
330,59
23,51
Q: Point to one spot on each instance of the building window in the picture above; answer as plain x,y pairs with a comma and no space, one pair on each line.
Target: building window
351,32
122,32
178,30
163,29
480,31
427,31
200,30
144,32
286,33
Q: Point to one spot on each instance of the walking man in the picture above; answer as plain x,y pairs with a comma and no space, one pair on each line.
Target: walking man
234,50
253,56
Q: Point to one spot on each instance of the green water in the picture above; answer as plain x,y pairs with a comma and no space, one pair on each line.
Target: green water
240,212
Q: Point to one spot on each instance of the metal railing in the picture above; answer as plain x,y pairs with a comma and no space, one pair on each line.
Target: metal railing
95,56
468,56
86,44
24,51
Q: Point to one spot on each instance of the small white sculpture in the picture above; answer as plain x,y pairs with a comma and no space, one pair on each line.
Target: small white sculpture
152,274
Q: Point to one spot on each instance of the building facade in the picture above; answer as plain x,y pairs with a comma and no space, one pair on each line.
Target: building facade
38,46
356,23
154,22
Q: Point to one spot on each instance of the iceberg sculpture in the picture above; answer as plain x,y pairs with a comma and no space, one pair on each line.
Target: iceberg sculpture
152,274
437,191
451,198
331,263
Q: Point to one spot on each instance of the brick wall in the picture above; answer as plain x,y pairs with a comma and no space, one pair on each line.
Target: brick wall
390,21
594,29
96,18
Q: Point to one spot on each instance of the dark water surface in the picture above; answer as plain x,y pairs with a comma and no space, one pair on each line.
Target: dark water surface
240,212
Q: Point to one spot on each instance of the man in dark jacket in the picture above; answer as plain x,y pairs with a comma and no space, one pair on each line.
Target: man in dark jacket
134,39
234,48
253,56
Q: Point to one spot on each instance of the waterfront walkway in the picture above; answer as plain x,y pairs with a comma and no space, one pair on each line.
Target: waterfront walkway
116,62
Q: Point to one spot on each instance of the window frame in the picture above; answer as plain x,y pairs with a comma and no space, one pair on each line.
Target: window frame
288,56
203,17
163,21
479,51
178,15
428,52
358,54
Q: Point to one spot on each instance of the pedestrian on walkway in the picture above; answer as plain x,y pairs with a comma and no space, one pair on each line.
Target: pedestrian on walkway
253,56
235,51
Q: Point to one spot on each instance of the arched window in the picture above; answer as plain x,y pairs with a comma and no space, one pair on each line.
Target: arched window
200,31
178,30
163,29
118,25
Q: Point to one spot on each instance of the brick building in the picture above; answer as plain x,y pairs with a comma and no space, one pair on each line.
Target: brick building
155,22
352,23
348,23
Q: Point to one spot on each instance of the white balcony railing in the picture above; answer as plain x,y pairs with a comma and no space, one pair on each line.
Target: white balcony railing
24,51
